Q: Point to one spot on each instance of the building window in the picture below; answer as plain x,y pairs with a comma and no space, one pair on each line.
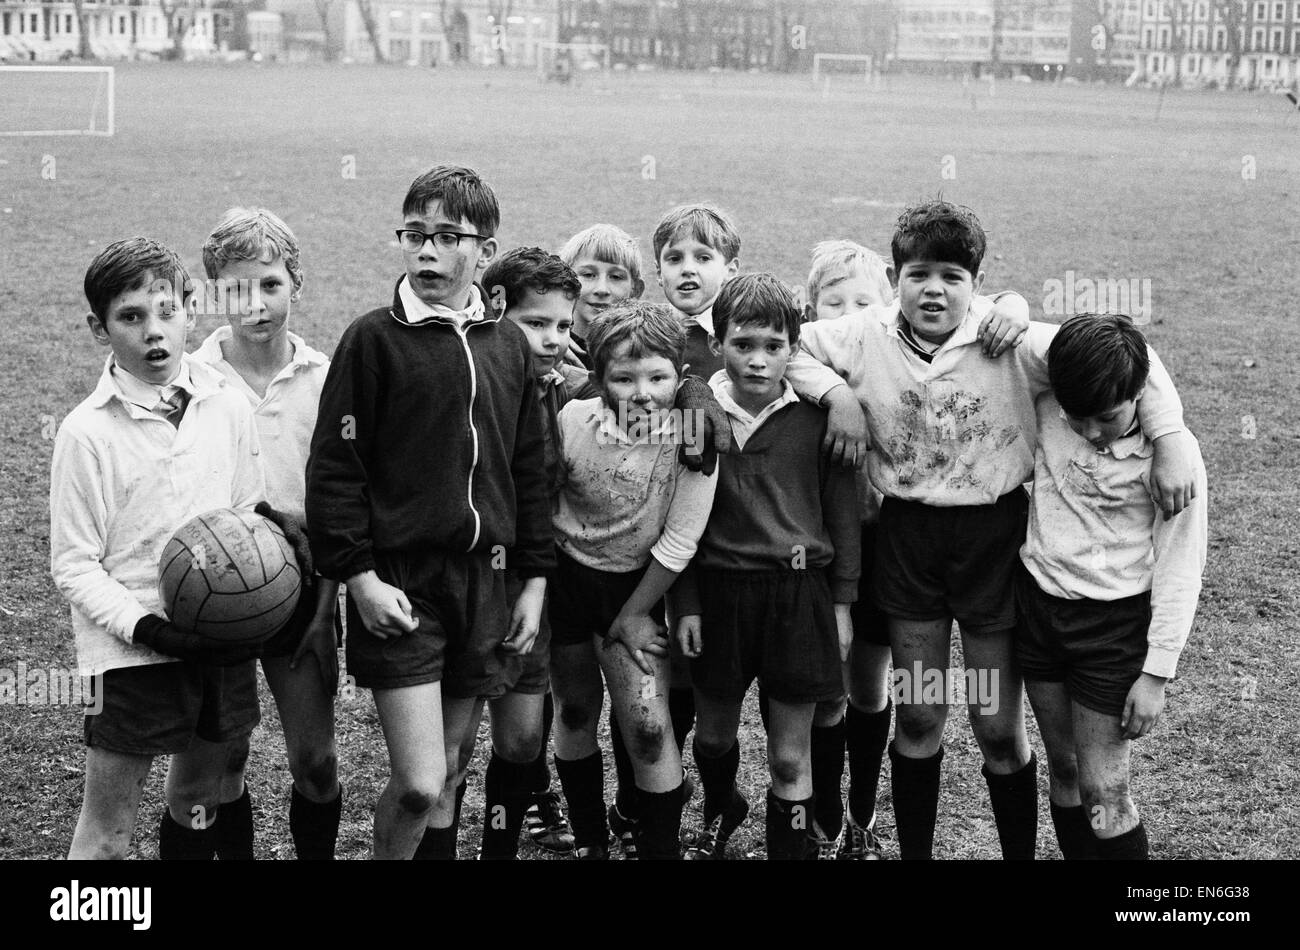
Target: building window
1257,39
67,23
1279,11
1220,40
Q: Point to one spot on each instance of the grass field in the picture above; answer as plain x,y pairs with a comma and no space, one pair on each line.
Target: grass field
1201,200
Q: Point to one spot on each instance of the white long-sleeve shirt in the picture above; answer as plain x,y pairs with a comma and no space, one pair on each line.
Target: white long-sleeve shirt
123,479
1095,532
285,416
958,430
623,502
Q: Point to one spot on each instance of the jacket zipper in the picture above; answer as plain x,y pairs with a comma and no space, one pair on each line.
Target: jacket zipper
473,395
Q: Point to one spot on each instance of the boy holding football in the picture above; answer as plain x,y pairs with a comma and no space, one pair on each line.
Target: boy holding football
953,435
160,440
254,258
426,483
1107,590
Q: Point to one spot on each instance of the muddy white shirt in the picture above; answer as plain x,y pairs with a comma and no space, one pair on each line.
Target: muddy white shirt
285,416
122,481
621,501
960,429
1095,532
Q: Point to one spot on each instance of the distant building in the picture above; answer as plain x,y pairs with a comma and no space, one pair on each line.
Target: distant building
1196,42
437,32
116,29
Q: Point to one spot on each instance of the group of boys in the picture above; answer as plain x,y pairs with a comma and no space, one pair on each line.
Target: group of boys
531,504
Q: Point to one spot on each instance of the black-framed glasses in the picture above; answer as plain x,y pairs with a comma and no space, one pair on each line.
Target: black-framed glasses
412,240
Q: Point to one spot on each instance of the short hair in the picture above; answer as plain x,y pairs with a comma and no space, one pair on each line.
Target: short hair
938,231
756,300
834,261
124,265
528,268
251,234
650,328
607,243
462,194
705,223
1095,362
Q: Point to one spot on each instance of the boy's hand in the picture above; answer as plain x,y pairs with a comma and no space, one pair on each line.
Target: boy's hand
1173,473
688,636
1142,708
156,633
384,609
526,617
318,641
1005,325
844,626
293,531
847,439
702,443
641,636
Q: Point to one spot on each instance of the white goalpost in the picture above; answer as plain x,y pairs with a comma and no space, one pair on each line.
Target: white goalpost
819,59
56,100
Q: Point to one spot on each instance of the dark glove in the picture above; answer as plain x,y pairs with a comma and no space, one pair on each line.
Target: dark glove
293,531
701,444
155,632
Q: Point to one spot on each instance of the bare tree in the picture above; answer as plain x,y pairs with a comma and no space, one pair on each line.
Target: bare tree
323,11
499,10
174,18
1180,19
1228,12
367,11
83,31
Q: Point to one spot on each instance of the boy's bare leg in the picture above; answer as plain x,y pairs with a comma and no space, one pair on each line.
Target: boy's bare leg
1104,772
1052,709
511,771
307,716
789,755
517,726
194,781
868,676
998,721
411,718
579,694
919,731
717,725
114,784
460,719
641,703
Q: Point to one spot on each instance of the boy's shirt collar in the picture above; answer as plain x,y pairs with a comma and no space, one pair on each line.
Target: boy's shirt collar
967,331
610,433
417,311
743,424
303,355
196,379
704,319
1132,442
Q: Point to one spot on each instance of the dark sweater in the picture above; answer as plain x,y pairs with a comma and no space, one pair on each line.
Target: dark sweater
698,356
428,436
777,497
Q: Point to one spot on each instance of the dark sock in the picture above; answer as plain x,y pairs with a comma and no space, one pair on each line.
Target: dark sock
788,836
235,829
583,782
866,735
1015,809
440,844
314,826
659,827
460,800
541,781
681,711
827,774
764,710
625,793
177,842
718,775
915,785
1130,846
1073,832
506,794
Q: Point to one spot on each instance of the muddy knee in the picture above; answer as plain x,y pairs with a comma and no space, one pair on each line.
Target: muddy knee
646,741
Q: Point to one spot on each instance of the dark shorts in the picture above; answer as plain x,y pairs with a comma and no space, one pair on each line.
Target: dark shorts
960,562
158,709
870,623
1095,647
530,673
460,602
583,601
774,626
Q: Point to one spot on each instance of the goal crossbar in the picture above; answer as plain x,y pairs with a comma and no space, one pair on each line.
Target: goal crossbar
104,93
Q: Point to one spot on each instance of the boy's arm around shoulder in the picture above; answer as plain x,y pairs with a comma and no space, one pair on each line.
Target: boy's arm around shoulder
1173,469
534,553
78,537
842,516
831,355
1179,547
338,491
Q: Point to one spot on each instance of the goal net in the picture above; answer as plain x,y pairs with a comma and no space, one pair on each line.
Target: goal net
566,62
56,100
841,65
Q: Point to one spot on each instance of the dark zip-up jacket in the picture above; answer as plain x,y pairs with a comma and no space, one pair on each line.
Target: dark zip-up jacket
429,436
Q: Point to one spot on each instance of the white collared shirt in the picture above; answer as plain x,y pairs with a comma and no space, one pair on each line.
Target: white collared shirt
417,311
151,398
122,481
960,429
743,425
285,416
704,318
1095,532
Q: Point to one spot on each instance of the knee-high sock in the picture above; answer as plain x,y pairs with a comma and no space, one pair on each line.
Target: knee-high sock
541,781
915,784
659,826
718,774
1015,809
235,829
788,823
1130,846
440,844
827,774
314,826
583,782
866,735
1073,832
506,796
177,842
